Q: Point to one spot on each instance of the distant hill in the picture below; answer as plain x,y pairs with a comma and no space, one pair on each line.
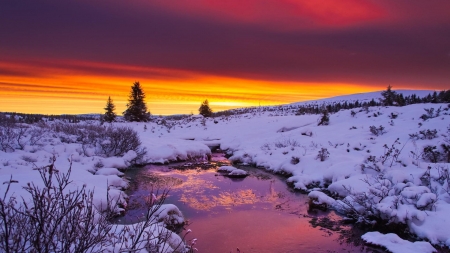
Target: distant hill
363,97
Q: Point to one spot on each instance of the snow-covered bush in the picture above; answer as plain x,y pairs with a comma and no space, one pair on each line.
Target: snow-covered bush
101,140
18,135
59,218
387,202
116,141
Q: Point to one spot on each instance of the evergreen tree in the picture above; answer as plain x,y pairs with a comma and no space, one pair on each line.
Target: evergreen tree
204,109
389,96
109,115
325,118
136,107
400,100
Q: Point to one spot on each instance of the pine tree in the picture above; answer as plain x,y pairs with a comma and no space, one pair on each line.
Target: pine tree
325,118
109,115
389,96
204,109
136,107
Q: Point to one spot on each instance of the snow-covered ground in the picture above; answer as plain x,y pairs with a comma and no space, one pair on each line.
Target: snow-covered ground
370,165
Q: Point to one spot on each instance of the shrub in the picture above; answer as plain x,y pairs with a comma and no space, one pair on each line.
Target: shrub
431,154
17,135
116,141
430,113
103,141
446,152
377,131
381,204
323,154
287,143
59,219
393,115
295,160
424,135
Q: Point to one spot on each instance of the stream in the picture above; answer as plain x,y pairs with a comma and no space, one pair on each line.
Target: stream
259,213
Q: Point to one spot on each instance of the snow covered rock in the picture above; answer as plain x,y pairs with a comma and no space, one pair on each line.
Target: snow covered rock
233,172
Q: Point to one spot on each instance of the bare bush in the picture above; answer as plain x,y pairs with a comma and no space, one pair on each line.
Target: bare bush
7,137
431,154
393,115
424,135
17,135
323,154
117,141
295,160
377,131
287,143
446,152
431,113
391,154
101,140
60,219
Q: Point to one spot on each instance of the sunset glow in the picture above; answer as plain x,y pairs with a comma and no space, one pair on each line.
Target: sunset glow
56,91
69,57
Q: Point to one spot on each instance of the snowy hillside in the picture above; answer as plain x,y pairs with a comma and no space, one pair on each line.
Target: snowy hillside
364,97
377,165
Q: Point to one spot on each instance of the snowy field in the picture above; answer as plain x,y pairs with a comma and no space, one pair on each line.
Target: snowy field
376,165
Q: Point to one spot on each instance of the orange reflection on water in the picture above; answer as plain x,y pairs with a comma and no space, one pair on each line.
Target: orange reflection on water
203,194
258,231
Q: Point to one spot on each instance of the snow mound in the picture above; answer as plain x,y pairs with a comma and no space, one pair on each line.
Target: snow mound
231,171
320,198
395,244
170,215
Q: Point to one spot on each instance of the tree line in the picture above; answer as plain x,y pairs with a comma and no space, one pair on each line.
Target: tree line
389,98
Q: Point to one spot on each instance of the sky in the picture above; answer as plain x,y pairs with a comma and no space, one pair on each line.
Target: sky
59,57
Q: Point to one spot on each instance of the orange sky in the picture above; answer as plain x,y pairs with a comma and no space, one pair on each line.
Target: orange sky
59,57
54,90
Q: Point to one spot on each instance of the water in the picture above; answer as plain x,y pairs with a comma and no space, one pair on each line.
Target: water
259,213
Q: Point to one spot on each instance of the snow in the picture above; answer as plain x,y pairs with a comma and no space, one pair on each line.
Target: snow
395,244
232,171
321,198
170,214
281,142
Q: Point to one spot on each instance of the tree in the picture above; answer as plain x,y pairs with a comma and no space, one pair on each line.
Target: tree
204,109
325,118
389,96
109,115
136,107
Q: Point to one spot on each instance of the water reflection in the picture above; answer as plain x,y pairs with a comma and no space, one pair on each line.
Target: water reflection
256,214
